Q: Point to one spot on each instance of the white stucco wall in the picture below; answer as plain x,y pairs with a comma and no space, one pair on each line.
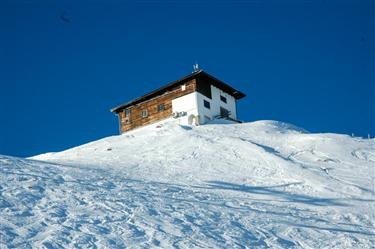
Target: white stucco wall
186,103
215,104
204,113
193,104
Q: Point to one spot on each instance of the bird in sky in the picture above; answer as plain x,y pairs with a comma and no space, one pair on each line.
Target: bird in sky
63,17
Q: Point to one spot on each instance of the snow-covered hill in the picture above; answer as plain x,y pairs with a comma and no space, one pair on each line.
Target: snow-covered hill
264,184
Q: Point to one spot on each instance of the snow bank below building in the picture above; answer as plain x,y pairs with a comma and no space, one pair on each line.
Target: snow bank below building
264,184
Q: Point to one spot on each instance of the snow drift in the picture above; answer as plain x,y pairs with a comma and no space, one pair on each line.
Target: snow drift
264,184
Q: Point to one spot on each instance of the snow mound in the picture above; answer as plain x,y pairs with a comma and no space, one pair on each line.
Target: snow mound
277,126
265,184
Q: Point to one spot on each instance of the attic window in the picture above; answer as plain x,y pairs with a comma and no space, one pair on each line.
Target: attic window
144,113
183,87
224,99
127,112
206,104
161,107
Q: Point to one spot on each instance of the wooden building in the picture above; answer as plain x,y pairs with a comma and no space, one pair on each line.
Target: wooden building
193,100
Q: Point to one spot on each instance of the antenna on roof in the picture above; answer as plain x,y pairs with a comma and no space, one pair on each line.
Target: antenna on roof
196,67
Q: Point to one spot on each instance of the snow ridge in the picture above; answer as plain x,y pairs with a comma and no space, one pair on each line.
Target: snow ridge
264,184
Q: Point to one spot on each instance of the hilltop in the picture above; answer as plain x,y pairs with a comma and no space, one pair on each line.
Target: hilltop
264,184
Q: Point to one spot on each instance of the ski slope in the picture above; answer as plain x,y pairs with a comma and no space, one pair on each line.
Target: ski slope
263,184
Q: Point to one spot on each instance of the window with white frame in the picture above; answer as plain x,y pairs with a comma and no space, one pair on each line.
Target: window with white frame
144,113
127,112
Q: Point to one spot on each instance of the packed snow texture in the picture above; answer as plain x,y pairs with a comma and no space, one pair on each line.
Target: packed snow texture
264,184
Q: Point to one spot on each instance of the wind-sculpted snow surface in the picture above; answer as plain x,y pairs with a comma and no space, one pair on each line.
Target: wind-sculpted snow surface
254,185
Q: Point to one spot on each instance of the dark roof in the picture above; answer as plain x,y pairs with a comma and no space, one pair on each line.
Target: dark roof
216,82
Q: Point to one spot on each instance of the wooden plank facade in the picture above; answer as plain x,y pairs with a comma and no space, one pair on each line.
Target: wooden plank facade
157,105
155,109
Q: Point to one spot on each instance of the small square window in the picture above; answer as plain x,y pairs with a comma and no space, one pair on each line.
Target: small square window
224,99
144,113
161,107
127,112
206,104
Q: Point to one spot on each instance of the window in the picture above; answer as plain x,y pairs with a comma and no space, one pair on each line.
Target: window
224,112
127,112
224,99
144,113
183,87
206,104
161,107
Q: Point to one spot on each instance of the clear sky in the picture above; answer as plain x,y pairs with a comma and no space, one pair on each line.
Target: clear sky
310,63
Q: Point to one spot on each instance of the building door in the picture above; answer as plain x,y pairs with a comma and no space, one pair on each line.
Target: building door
193,119
224,112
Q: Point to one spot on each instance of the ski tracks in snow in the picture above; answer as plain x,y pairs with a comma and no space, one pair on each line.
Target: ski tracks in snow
55,206
219,186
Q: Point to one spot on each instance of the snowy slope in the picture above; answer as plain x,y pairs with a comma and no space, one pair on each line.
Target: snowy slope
264,184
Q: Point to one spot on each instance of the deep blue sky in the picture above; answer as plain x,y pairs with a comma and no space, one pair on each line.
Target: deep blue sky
310,63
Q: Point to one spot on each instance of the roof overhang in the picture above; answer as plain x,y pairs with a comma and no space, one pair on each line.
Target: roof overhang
216,82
